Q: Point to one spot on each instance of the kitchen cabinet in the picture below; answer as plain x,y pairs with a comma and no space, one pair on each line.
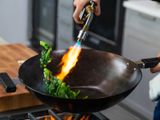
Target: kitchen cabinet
65,24
141,40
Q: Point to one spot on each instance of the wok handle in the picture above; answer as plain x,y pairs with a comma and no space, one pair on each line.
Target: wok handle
148,62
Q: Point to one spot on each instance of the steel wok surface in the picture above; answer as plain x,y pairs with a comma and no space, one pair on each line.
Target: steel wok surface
104,77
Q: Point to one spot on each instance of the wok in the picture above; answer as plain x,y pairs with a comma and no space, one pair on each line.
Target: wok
104,77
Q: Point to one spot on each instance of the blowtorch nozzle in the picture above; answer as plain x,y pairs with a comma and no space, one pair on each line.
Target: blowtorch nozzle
78,43
82,35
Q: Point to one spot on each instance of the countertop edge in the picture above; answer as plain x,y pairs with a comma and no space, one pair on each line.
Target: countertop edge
147,7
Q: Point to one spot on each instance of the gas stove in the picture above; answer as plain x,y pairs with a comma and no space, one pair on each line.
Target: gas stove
50,114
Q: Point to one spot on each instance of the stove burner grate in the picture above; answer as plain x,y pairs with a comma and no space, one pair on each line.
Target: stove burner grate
49,114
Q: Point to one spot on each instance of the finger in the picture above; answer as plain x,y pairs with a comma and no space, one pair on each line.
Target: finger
155,69
77,13
75,3
97,11
98,8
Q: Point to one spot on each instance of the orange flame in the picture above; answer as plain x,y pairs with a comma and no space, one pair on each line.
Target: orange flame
69,60
68,117
49,118
85,117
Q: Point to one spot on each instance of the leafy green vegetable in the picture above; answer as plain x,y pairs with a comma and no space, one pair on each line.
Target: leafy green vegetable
45,54
54,86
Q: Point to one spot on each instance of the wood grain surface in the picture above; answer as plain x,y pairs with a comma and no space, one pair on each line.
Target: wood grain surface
11,56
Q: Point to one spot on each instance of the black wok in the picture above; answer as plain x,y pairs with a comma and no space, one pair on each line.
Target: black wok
105,77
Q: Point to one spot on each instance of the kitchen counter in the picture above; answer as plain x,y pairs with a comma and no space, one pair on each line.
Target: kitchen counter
11,56
147,7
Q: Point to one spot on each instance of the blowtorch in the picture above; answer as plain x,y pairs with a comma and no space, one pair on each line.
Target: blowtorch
86,17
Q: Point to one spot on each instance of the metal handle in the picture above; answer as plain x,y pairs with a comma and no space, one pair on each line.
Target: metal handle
148,62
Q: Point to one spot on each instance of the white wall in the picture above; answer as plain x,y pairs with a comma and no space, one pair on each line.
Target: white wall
14,21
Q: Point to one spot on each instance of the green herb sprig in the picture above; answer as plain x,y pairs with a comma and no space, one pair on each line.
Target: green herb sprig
45,54
54,86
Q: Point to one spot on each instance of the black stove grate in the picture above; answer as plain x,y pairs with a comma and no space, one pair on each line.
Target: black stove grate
40,115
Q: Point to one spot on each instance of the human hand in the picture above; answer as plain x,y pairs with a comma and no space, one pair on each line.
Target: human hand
157,68
79,5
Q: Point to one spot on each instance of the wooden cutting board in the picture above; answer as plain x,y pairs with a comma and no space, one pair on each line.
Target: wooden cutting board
11,56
